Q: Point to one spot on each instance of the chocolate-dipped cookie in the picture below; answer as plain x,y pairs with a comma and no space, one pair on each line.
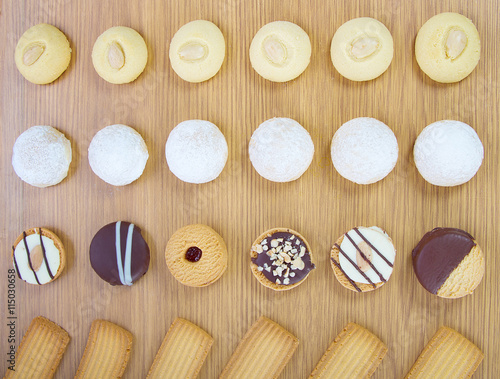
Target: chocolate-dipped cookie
448,262
119,254
281,259
196,255
363,258
38,256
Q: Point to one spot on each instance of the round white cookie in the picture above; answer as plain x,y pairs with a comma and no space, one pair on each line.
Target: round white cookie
364,150
448,47
118,154
448,153
281,150
362,49
280,51
197,51
41,156
196,151
42,54
119,55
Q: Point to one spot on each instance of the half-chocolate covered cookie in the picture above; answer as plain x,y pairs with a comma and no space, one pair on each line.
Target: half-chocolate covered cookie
448,262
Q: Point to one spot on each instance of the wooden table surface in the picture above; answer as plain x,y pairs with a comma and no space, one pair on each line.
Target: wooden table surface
240,204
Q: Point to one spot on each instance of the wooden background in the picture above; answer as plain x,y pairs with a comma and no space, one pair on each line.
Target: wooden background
240,204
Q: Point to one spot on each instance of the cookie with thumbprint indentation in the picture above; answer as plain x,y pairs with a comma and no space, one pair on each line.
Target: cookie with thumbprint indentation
42,54
281,259
119,55
119,254
197,51
448,262
38,256
363,258
196,255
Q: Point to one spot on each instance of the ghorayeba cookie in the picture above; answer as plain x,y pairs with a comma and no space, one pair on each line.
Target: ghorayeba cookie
281,259
41,156
196,255
448,262
447,47
448,153
362,49
42,54
120,55
363,258
281,149
119,254
38,256
364,150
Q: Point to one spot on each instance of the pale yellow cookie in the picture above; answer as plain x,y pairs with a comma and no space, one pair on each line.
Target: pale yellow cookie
280,51
197,51
42,54
362,49
448,47
119,55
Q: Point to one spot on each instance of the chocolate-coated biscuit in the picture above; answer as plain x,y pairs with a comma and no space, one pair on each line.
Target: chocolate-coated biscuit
281,259
119,254
448,262
196,255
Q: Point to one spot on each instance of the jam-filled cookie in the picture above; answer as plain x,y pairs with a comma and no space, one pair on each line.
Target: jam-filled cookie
281,259
42,54
38,256
196,255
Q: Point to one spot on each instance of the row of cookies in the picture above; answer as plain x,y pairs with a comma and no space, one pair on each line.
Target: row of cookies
363,150
448,262
354,353
447,49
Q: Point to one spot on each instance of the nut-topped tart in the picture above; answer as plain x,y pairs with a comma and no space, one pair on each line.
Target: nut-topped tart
281,259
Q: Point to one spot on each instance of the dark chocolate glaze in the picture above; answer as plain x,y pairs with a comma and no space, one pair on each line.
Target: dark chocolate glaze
45,255
103,253
263,258
438,253
29,257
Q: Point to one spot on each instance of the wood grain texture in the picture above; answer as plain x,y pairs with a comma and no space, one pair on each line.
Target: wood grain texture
240,204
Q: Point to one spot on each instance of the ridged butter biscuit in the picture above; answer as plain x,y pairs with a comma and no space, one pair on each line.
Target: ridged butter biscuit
196,255
107,352
263,352
447,355
354,353
40,351
182,352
